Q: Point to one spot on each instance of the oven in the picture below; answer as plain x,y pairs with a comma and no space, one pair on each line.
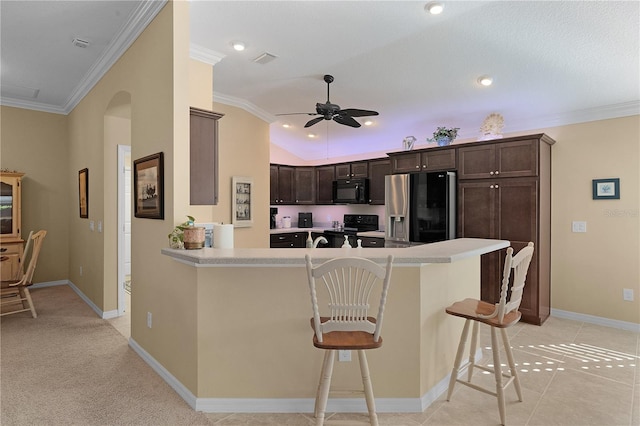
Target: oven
353,223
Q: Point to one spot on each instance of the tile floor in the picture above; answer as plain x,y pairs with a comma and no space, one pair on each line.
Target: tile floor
572,373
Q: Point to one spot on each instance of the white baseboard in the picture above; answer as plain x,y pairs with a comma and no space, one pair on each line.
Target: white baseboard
103,315
166,375
591,319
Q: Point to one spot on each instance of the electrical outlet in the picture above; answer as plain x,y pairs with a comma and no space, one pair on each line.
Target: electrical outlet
149,319
627,294
344,356
81,271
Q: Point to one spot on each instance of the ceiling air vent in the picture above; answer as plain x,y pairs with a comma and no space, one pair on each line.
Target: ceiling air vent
265,58
78,42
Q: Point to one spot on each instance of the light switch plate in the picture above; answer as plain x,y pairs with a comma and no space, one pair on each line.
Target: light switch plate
91,225
579,226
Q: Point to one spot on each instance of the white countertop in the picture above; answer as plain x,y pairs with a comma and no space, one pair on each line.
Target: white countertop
440,252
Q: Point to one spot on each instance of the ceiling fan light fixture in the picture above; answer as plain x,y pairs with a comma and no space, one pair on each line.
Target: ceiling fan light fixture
238,46
485,80
434,8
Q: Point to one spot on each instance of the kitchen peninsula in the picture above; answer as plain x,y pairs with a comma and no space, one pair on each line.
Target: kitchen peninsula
252,310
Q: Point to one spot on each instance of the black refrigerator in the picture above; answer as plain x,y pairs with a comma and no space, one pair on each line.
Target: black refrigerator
420,208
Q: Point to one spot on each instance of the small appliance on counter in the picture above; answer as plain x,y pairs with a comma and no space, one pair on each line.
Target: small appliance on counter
286,221
305,220
274,212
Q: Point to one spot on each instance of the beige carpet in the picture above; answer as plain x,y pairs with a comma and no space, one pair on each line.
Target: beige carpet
69,367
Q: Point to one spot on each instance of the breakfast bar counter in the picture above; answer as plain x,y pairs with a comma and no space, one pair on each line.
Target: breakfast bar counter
246,314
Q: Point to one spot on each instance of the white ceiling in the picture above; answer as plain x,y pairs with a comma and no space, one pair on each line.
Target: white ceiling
553,63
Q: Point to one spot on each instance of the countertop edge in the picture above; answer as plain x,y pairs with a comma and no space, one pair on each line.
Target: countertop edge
440,252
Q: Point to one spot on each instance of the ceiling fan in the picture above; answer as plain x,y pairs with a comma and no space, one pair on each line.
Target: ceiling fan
329,111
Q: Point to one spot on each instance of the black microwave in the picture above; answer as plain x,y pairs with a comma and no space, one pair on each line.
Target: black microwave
351,191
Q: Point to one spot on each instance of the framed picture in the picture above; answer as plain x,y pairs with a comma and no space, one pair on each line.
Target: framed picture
606,189
83,192
241,190
148,186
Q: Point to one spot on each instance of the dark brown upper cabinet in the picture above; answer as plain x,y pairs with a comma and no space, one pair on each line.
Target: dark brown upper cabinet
203,157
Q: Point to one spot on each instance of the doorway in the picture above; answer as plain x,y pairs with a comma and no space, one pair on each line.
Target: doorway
124,229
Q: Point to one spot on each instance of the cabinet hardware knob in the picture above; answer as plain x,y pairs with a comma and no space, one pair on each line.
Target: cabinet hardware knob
417,167
497,172
491,173
491,186
496,186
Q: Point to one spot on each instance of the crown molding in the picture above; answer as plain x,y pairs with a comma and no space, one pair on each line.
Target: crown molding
138,21
205,55
245,105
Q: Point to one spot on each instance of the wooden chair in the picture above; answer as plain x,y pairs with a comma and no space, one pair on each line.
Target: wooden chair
348,283
25,257
14,291
499,316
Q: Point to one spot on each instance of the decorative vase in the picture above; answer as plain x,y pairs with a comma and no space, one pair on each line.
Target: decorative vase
443,140
194,237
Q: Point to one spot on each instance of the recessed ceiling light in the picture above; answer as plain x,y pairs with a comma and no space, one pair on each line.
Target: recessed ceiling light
368,123
286,125
434,8
485,80
238,45
311,135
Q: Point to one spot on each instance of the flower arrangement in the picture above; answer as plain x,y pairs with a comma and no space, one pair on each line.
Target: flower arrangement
176,237
444,133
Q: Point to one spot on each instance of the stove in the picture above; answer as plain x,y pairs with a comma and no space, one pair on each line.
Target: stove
353,223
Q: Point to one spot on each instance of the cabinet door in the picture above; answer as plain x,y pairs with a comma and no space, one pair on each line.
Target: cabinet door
406,163
203,164
378,169
325,175
305,185
286,185
10,207
343,171
516,159
477,162
10,269
360,169
441,159
273,184
477,209
281,240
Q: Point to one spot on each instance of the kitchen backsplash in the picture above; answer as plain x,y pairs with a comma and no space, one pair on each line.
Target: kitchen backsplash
324,215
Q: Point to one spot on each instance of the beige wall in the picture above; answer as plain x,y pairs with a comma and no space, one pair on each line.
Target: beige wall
36,143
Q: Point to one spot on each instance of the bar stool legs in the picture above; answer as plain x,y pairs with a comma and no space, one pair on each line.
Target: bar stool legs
368,388
323,386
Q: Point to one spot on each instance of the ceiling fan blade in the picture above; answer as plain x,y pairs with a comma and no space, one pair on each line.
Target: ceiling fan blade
346,120
297,113
353,112
314,121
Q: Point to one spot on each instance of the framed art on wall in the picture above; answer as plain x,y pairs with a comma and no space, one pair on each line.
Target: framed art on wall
83,192
148,186
241,190
606,189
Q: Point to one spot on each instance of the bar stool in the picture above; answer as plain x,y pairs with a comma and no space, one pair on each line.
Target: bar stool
349,282
502,315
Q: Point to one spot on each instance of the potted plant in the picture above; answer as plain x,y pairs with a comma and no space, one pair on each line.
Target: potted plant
444,136
187,236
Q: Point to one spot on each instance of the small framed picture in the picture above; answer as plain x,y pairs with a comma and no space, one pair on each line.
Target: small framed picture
606,189
83,192
148,186
241,190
